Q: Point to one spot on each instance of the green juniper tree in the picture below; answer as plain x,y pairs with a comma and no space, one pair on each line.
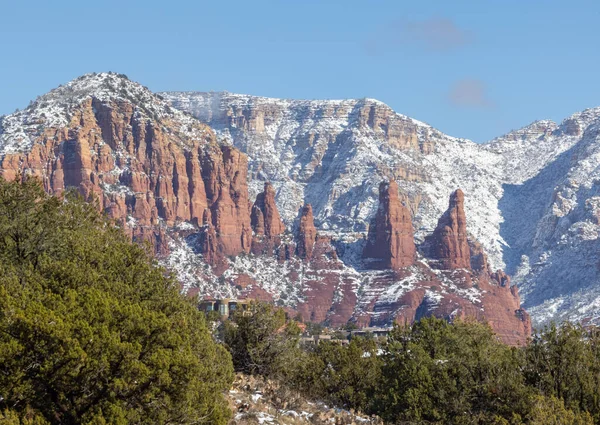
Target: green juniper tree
262,341
91,329
564,362
437,372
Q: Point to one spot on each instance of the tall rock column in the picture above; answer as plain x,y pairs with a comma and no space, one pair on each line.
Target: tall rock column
265,209
448,243
236,168
266,222
391,235
307,233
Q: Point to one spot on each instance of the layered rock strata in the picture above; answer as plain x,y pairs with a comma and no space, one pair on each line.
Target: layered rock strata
147,165
390,240
166,179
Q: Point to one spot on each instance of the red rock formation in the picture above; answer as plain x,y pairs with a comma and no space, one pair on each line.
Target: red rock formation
265,215
479,260
497,305
323,277
155,236
257,218
266,222
143,172
502,309
465,264
501,279
208,241
286,252
307,233
150,176
391,236
225,180
449,243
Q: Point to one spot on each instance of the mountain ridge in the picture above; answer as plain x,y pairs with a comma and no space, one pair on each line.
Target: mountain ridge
513,160
331,154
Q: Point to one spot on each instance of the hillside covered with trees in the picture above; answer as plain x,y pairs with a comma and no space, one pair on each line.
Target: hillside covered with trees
92,331
432,372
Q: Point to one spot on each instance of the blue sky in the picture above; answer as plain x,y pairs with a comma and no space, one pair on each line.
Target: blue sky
473,69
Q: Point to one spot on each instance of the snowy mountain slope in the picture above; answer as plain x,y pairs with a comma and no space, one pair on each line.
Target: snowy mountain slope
559,239
56,108
334,154
530,194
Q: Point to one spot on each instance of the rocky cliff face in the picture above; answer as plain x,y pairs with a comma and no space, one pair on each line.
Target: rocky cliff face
552,228
172,180
334,154
150,167
530,195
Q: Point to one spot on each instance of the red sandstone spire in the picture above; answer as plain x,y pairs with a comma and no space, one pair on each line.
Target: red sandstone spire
269,222
449,239
307,233
391,238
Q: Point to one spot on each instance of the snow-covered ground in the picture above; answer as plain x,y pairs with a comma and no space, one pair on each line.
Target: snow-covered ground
531,196
54,109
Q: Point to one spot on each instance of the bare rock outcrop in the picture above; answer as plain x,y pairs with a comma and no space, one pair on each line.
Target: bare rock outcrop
399,132
307,233
479,258
146,164
503,311
390,240
164,177
265,215
448,244
266,222
324,277
225,177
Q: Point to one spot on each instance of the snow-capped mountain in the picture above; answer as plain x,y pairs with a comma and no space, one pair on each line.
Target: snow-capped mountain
530,194
170,169
552,226
334,154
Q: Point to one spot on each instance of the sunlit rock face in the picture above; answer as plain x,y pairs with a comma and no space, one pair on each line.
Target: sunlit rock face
448,243
530,195
195,189
391,240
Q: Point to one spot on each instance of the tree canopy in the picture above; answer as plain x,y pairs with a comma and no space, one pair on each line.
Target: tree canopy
91,329
432,371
